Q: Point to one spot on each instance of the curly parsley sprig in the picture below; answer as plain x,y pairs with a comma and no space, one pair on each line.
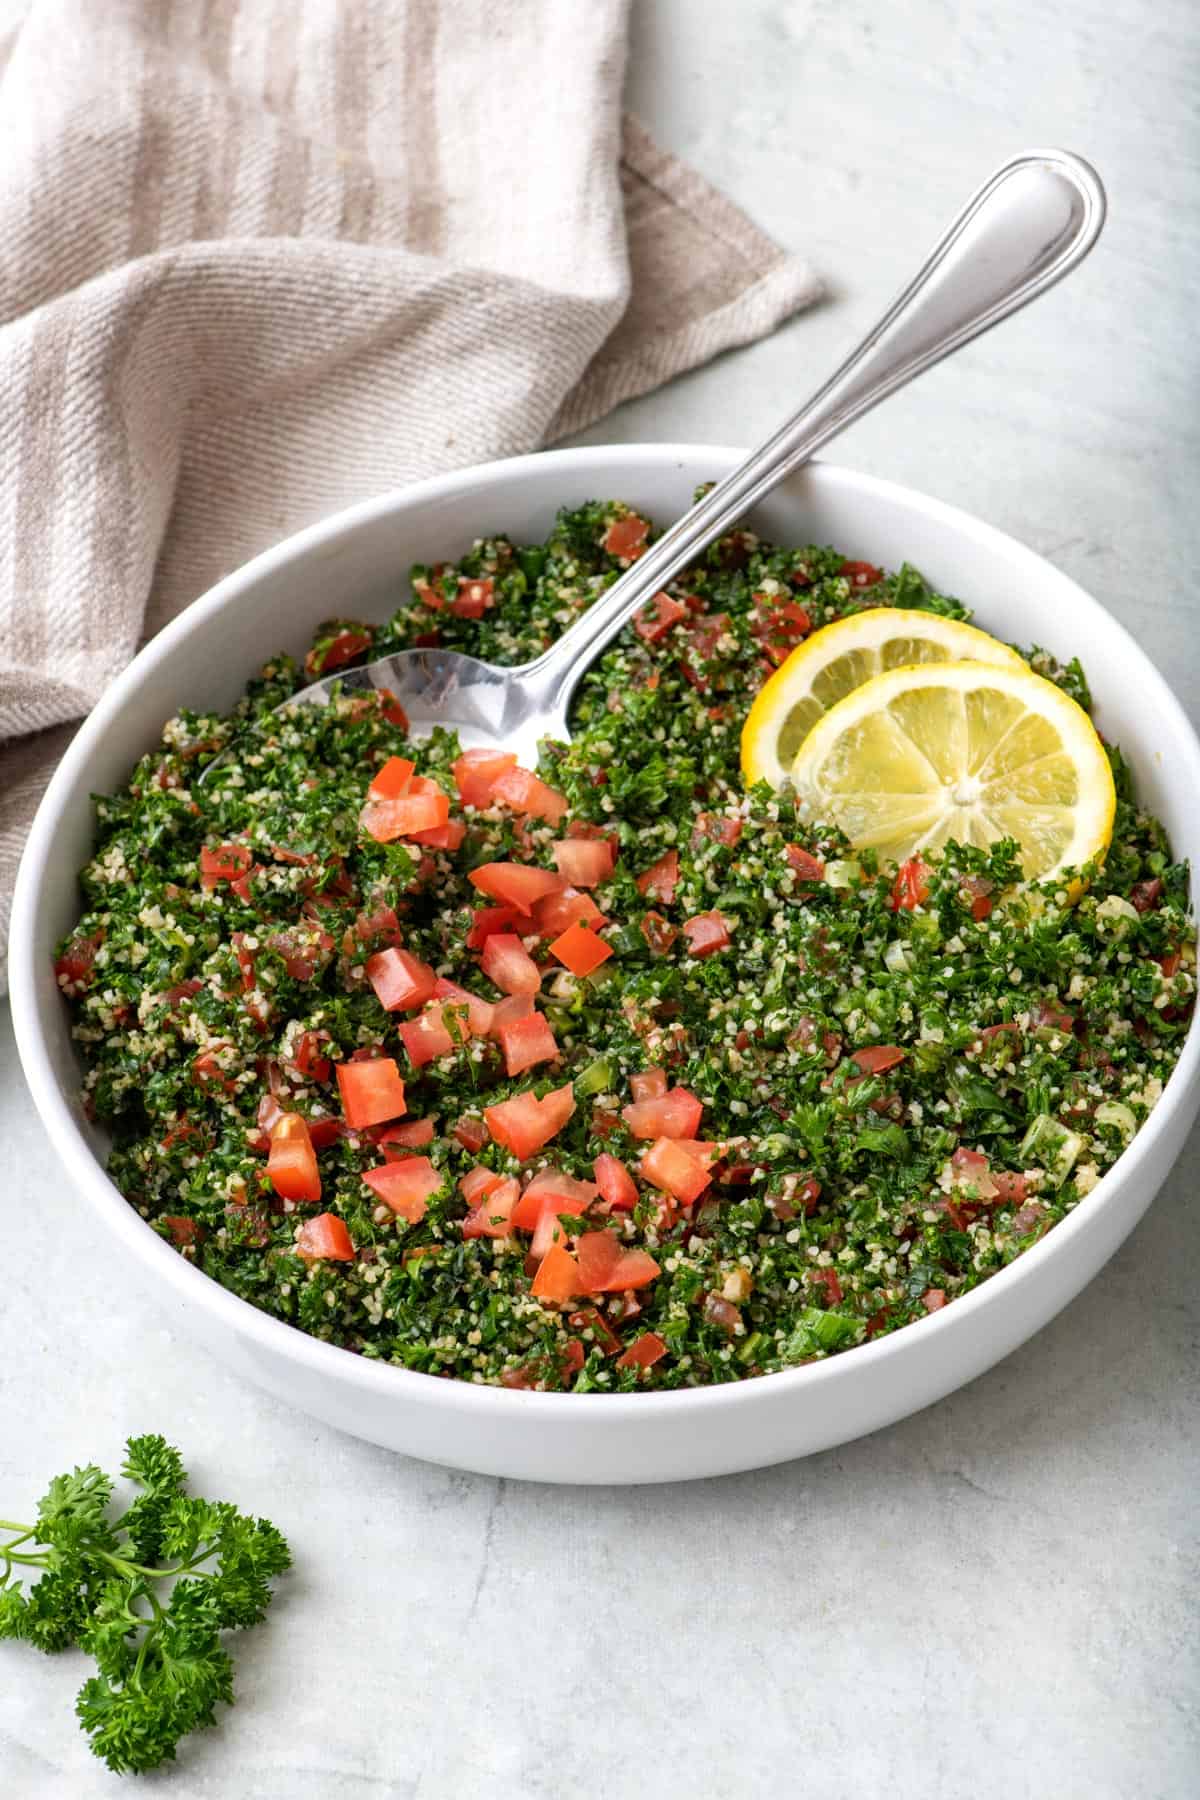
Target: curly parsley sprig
147,1594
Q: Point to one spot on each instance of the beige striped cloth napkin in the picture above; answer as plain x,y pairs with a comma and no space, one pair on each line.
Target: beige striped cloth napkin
260,258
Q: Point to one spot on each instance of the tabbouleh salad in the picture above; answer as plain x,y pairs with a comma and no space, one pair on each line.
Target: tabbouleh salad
610,1076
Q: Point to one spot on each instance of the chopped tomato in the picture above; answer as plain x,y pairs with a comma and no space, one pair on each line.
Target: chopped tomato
527,1042
308,1059
1170,964
401,981
598,1254
648,1084
324,1239
303,949
669,1164
393,779
428,593
659,881
625,537
524,1123
1145,895
487,920
391,709
911,886
580,950
405,1186
183,1231
515,884
584,862
460,1005
508,1011
1010,1188
557,1276
657,617
706,933
877,1058
372,1091
804,865
208,1073
633,1269
522,791
385,820
470,1132
492,1214
475,595
861,574
616,1184
444,837
715,828
643,1352
75,967
933,1299
551,1190
245,961
658,932
675,1114
477,1182
476,773
381,923
412,1136
828,1279
427,1037
506,961
339,651
548,1231
228,862
556,912
292,1162
975,891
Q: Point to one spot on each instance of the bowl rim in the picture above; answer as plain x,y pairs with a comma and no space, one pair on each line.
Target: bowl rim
192,1287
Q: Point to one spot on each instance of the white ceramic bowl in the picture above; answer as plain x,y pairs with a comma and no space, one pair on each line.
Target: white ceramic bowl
356,562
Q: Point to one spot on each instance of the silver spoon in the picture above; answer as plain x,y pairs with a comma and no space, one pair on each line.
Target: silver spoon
1032,222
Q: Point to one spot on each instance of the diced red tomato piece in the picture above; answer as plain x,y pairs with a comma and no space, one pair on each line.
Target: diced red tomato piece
292,1163
228,862
385,820
876,1058
470,1132
183,1231
616,1184
648,1084
706,933
803,864
933,1299
551,1190
476,773
584,862
427,1036
209,1073
393,779
492,1214
553,915
391,708
670,1165
401,981
660,880
324,1132
515,884
405,1186
557,1275
444,837
458,1004
633,1269
302,948
371,1090
413,1136
861,574
524,1123
380,923
911,886
598,1254
975,892
523,792
1145,895
548,1231
675,1114
475,595
506,961
487,920
643,1353
658,932
1170,964
527,1042
1010,1189
477,1182
625,537
339,651
657,617
429,593
76,966
508,1011
715,828
308,1058
324,1239
580,950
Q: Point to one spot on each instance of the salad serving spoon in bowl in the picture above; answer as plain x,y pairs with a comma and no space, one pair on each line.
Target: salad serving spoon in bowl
1031,223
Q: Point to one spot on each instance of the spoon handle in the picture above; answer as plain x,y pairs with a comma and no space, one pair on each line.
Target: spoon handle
1026,227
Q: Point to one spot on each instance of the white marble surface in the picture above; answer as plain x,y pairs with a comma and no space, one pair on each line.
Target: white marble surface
996,1598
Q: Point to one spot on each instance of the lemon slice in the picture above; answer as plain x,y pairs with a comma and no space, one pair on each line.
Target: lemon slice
839,658
960,750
